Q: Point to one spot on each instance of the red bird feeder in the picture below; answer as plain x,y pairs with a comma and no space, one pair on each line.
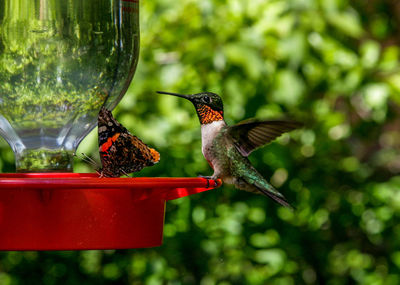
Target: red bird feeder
75,211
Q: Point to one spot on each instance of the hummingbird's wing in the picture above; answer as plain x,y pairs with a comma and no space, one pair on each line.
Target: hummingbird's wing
251,134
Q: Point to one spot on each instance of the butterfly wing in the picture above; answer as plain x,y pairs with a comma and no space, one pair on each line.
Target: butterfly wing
121,153
108,129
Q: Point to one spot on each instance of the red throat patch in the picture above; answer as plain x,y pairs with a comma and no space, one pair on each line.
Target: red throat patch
208,115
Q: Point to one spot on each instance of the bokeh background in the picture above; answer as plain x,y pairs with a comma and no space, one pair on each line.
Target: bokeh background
332,64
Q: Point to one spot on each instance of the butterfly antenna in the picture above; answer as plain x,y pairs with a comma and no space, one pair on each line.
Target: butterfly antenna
88,160
123,171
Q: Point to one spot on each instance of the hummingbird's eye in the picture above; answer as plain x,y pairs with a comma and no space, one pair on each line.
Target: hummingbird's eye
206,99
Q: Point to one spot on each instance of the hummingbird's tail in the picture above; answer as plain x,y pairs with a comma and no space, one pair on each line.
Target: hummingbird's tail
256,183
273,194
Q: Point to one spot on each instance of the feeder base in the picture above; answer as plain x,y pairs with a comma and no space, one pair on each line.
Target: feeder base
73,211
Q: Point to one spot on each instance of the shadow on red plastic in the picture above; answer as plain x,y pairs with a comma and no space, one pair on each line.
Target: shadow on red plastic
74,211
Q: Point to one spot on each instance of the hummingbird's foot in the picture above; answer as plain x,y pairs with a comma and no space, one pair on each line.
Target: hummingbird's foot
208,180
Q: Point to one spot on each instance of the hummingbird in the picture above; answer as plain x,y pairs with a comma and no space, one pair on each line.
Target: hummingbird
226,148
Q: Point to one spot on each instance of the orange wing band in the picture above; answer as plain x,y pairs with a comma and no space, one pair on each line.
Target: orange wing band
155,154
105,146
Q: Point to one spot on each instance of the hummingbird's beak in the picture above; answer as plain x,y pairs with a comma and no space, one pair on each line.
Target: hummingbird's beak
176,94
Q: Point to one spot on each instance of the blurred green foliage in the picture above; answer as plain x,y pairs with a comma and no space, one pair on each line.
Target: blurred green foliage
333,65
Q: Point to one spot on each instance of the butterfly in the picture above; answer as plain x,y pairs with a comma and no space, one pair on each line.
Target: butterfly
121,152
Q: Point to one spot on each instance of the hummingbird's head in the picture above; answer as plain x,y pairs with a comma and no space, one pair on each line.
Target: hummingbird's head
209,106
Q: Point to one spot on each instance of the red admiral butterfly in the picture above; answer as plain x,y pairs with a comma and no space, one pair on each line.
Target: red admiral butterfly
121,153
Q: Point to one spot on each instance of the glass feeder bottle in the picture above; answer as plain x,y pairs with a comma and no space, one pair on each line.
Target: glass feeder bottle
60,61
